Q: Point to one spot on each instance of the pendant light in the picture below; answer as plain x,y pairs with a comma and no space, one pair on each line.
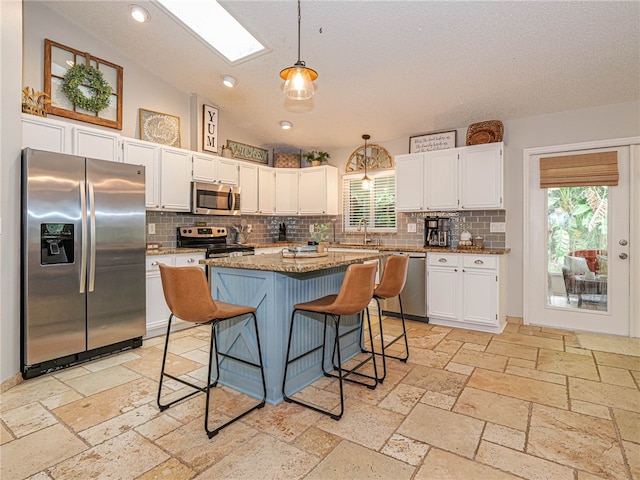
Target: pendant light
299,78
366,181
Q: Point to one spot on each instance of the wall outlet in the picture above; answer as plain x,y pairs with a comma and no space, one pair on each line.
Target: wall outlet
412,227
151,228
311,228
497,227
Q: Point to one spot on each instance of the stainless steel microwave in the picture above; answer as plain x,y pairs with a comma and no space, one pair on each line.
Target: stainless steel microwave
215,199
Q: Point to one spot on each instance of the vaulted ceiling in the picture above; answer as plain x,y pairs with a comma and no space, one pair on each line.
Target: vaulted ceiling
391,68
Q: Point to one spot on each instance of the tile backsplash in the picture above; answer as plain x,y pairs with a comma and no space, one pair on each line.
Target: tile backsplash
265,229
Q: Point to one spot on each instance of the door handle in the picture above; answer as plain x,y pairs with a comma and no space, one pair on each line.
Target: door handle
623,242
623,256
83,243
92,239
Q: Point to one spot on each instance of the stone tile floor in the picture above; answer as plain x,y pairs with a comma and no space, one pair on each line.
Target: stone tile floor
533,403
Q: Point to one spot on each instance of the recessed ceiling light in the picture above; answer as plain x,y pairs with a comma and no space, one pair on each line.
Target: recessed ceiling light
215,26
229,81
139,14
285,125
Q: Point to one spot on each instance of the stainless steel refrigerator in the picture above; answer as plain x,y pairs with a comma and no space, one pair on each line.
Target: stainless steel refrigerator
83,259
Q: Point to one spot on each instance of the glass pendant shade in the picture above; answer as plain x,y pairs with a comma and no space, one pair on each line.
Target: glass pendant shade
298,83
366,182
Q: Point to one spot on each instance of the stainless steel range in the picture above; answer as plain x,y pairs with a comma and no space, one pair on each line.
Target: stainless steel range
214,239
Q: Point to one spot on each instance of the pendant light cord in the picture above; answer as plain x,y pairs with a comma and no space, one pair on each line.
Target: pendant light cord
299,18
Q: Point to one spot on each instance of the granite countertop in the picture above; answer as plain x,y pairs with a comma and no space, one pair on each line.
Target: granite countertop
275,262
392,248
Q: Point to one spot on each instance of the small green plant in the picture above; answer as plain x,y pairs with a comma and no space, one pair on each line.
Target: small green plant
320,232
316,156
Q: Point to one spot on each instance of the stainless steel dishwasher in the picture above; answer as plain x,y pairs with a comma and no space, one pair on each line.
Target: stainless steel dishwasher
414,294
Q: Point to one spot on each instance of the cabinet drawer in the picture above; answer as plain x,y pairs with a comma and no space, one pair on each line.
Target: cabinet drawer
480,261
443,259
189,260
152,262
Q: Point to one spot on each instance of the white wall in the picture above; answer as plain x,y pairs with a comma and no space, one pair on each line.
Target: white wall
10,134
141,89
598,123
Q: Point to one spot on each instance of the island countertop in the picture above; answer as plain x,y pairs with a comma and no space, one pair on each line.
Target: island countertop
275,262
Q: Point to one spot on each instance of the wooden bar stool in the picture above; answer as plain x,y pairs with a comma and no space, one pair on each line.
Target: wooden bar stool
355,294
188,296
391,284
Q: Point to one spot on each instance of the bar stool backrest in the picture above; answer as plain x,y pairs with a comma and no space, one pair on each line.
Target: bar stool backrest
187,293
394,276
357,289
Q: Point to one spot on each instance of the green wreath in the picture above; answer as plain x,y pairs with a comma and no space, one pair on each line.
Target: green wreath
79,75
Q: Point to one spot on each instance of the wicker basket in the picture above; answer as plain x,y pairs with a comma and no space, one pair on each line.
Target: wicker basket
286,160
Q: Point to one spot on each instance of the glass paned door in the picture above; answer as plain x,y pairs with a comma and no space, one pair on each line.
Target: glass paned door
577,266
577,260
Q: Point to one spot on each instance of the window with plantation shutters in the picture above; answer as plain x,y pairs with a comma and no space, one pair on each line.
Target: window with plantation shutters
377,205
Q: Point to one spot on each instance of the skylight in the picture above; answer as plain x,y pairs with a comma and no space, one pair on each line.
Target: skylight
211,22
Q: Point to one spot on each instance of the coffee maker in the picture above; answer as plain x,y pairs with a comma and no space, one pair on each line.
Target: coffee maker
431,232
444,232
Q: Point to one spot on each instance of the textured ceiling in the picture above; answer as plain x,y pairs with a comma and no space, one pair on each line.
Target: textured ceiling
391,68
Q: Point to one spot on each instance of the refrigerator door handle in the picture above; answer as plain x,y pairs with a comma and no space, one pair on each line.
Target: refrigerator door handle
83,243
92,239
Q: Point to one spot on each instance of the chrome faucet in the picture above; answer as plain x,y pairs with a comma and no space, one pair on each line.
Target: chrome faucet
360,222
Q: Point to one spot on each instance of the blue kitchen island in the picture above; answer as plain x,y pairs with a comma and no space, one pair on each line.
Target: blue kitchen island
273,284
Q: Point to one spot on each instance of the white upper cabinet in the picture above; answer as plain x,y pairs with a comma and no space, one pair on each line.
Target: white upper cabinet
139,152
441,180
226,171
481,177
318,191
94,143
44,134
286,192
203,168
212,169
248,182
410,182
266,190
464,178
175,179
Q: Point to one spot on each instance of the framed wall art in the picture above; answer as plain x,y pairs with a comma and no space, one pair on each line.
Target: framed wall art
81,86
210,129
160,128
432,141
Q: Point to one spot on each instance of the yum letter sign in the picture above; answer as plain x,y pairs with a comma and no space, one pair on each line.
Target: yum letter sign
210,129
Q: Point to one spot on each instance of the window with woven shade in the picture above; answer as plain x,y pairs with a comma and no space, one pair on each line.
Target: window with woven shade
376,205
582,170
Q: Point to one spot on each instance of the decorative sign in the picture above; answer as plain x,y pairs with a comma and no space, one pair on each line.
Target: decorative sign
432,141
209,129
160,128
247,152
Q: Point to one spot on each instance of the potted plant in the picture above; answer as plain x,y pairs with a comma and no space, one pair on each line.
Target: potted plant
316,157
320,235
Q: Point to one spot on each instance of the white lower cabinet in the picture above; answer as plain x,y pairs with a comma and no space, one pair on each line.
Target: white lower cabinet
157,310
466,290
